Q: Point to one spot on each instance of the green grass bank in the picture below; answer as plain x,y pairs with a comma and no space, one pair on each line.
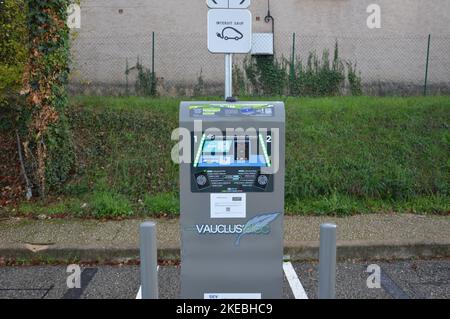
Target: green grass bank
345,155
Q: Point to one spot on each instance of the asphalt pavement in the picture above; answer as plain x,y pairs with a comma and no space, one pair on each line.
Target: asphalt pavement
399,280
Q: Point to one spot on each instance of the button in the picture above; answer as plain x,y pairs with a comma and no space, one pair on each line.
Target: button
201,180
263,180
248,111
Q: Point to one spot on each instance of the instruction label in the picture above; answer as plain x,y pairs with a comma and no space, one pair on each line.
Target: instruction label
228,205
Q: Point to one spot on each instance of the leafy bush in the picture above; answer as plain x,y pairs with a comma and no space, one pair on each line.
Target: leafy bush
61,154
266,74
200,86
48,147
320,76
146,81
10,77
354,79
13,50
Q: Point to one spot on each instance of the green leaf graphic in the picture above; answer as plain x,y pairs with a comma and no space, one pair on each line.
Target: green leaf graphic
256,225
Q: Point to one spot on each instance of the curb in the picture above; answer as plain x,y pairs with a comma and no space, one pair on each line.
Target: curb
302,251
366,250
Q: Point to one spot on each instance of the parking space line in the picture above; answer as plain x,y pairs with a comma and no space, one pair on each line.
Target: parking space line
295,284
391,287
47,291
139,294
86,276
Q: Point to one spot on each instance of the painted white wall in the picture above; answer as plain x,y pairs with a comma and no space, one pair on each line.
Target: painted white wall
395,52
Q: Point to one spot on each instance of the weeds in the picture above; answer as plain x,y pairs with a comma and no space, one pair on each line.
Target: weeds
320,76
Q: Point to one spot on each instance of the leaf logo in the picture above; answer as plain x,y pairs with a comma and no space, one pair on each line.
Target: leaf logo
257,225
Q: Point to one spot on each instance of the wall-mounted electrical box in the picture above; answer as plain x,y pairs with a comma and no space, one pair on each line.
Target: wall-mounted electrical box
262,44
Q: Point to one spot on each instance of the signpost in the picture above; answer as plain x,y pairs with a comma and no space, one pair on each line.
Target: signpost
229,32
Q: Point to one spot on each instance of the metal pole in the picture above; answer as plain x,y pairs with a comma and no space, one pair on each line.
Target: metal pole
153,92
425,88
153,53
127,92
292,76
148,252
327,262
228,76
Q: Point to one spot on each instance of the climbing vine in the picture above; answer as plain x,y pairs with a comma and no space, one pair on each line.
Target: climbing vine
48,146
13,51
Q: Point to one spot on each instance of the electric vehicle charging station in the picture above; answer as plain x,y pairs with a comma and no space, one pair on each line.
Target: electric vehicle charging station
232,170
232,200
232,181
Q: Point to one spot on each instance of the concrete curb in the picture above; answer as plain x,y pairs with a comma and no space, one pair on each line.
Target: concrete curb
301,251
366,250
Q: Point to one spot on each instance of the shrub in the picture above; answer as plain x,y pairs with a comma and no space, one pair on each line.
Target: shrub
267,75
354,79
146,81
199,88
13,37
61,153
320,76
48,147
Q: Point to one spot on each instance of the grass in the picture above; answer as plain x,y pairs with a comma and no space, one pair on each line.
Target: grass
107,204
345,155
53,208
162,204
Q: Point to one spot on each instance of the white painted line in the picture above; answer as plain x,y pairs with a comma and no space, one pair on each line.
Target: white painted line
296,286
231,296
139,294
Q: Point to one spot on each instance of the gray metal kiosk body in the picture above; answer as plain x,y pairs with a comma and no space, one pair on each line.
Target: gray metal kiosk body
232,200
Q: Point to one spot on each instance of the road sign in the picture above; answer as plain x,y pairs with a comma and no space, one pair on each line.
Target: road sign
228,4
229,31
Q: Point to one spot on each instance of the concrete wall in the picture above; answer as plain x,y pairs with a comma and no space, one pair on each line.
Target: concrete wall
114,31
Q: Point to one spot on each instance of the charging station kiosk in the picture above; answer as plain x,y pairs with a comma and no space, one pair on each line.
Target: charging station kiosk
232,200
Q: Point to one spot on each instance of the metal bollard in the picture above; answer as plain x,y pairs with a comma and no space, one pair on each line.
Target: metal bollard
327,262
149,260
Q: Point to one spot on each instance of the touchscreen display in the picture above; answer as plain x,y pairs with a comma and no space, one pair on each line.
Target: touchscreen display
232,152
217,147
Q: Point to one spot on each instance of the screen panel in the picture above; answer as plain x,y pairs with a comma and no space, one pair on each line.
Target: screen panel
231,163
